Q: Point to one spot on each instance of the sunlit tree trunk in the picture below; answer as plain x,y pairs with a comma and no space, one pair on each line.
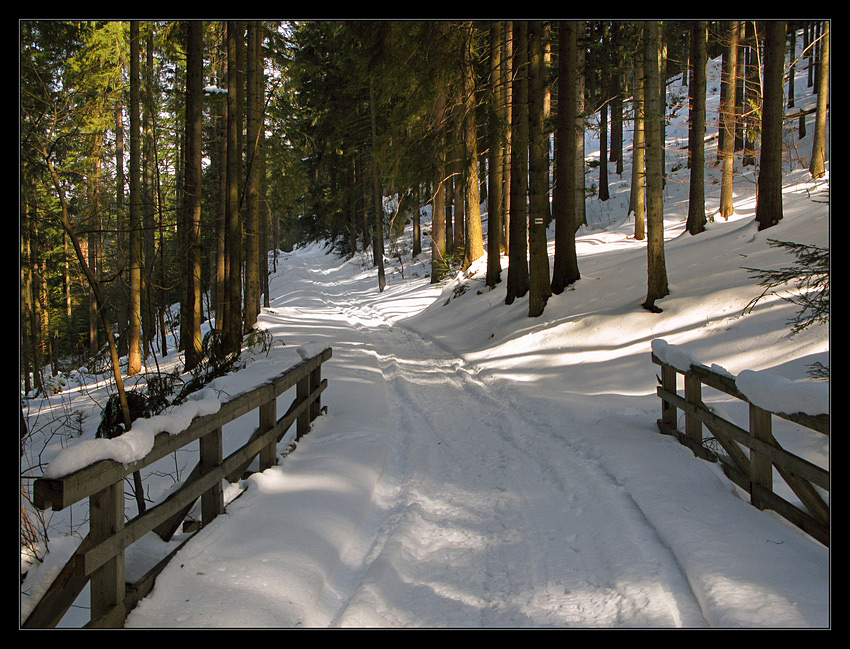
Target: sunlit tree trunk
134,360
727,121
656,269
817,165
474,242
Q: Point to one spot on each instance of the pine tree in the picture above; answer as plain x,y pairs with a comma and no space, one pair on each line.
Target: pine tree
495,203
539,285
565,264
769,195
727,120
656,269
517,285
817,165
474,242
190,312
134,360
696,134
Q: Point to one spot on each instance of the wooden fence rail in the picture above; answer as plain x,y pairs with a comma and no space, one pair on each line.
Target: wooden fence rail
99,559
751,471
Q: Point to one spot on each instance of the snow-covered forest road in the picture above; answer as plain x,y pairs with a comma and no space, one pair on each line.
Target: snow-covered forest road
435,494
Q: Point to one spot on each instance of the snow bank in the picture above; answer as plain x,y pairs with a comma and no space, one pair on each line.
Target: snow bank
310,350
778,394
135,443
672,355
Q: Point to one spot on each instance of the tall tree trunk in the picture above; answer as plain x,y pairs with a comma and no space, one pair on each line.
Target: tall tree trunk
769,192
495,205
190,317
616,154
656,270
603,117
637,195
727,121
565,266
378,238
518,252
474,241
438,203
817,165
507,85
134,360
252,222
581,106
122,309
751,94
696,134
539,284
234,175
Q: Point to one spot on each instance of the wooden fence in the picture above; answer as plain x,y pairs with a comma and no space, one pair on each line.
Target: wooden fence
100,557
751,471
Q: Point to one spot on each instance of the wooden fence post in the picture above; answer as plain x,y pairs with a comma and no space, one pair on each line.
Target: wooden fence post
268,417
106,519
315,383
302,391
668,383
212,501
693,395
761,466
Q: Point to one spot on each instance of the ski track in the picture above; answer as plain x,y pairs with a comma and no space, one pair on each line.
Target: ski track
455,503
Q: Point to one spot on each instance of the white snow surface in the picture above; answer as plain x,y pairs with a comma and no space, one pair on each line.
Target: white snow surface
477,468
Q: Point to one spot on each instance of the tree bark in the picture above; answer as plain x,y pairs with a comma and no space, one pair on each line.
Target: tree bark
252,222
474,242
539,284
438,203
727,121
495,207
565,264
817,165
656,271
190,317
233,335
769,192
517,285
637,194
696,134
134,359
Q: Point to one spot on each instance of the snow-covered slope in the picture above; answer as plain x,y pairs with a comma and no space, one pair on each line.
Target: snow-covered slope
478,468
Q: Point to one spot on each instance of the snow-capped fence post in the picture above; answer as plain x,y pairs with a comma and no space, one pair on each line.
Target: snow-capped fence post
94,472
753,471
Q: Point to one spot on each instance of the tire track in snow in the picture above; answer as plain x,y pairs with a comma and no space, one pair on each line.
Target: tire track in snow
509,507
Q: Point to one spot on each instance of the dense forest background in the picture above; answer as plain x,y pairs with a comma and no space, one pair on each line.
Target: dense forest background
164,164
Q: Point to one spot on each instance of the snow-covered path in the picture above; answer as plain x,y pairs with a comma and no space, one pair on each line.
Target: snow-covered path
431,496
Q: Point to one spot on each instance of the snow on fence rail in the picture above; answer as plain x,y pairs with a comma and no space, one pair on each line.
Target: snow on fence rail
100,556
806,405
